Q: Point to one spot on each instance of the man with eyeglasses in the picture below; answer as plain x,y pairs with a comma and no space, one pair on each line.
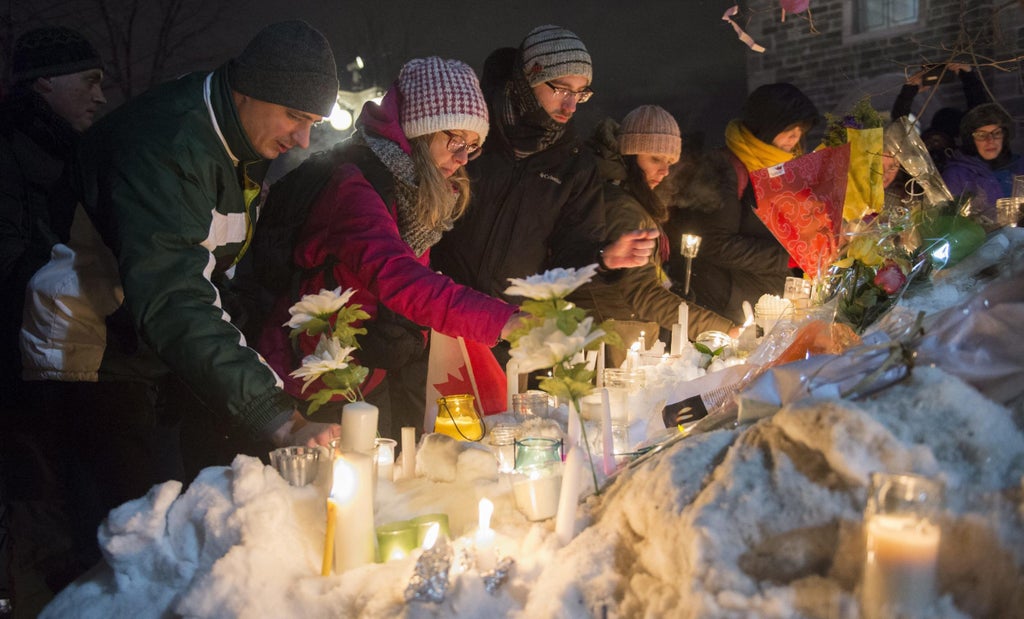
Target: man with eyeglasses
985,166
537,197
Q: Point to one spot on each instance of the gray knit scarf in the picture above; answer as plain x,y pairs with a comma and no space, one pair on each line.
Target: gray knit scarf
413,231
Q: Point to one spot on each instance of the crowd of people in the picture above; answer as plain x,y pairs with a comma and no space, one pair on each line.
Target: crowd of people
148,268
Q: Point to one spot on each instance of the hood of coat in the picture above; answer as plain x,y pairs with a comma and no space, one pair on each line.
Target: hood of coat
605,146
704,183
382,119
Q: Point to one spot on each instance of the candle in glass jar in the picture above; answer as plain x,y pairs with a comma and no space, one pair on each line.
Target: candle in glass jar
536,493
900,569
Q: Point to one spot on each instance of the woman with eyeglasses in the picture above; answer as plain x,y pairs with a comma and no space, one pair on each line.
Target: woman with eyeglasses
392,189
984,166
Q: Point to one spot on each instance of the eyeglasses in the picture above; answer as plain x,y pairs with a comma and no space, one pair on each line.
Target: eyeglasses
581,96
985,136
457,144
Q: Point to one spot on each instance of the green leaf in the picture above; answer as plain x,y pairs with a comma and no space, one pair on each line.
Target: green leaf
703,349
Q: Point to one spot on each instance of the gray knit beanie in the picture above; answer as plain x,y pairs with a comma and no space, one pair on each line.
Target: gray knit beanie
288,63
550,52
441,95
49,52
651,130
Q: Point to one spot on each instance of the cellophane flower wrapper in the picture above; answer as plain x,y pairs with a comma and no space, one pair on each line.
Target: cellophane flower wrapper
979,339
864,191
801,203
902,140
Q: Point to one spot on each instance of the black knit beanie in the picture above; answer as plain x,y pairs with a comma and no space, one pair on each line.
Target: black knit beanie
979,116
288,63
773,107
49,52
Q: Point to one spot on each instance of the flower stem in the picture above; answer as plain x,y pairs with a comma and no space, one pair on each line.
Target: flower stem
583,434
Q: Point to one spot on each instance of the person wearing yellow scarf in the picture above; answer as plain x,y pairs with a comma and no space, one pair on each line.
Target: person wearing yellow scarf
739,258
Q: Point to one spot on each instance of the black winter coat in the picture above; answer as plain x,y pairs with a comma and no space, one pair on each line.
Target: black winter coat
739,258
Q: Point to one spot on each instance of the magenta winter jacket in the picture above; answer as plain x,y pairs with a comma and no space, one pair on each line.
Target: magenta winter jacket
350,223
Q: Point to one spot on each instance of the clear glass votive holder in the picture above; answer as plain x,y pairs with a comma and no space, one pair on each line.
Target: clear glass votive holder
395,540
537,451
502,441
1008,212
385,458
298,465
625,393
902,535
532,403
535,490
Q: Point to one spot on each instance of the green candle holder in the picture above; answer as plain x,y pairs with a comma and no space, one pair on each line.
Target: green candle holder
395,540
423,523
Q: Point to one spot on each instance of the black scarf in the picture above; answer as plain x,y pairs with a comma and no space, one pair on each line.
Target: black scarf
525,124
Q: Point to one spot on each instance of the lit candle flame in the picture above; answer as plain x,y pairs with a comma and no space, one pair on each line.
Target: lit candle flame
433,532
486,509
343,489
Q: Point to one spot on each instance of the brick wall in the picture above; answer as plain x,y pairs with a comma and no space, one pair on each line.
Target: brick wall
836,68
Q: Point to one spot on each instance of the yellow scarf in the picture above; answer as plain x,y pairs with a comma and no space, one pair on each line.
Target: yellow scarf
755,154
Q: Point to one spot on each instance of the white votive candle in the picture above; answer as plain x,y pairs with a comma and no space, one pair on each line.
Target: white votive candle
900,568
536,496
483,541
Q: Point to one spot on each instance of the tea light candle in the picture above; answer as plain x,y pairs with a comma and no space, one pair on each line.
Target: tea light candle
395,540
900,570
409,452
358,427
483,541
352,495
385,454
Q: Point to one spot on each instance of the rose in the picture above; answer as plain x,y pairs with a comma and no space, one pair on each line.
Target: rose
890,277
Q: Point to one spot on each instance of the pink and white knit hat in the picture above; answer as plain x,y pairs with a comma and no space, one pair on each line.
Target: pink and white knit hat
441,95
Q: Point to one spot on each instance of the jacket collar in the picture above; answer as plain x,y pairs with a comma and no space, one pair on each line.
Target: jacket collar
224,117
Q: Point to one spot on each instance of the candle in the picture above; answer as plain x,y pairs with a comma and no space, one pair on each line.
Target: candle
332,515
608,456
395,540
569,496
486,553
432,535
427,522
386,458
358,427
599,369
536,493
352,495
409,452
900,571
512,386
633,356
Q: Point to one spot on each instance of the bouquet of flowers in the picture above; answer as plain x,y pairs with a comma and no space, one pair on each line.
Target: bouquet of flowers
327,314
862,130
555,333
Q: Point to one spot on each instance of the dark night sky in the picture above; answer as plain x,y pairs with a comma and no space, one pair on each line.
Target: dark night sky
675,53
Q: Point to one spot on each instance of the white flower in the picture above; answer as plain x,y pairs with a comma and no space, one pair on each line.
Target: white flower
555,283
545,346
320,305
328,356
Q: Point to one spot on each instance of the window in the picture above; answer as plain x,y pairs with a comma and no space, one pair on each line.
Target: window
875,15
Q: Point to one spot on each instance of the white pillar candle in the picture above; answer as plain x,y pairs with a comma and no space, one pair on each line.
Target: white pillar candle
900,569
358,427
483,541
352,495
608,455
569,496
512,382
678,336
408,452
599,370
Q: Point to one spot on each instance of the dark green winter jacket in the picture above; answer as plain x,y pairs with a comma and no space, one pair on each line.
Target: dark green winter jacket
163,178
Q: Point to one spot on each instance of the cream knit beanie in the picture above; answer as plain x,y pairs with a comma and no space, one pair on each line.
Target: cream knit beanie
651,130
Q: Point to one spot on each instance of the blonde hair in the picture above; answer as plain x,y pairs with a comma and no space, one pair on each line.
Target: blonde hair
435,191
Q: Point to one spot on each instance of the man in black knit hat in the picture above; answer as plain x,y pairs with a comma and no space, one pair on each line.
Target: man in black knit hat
162,382
53,92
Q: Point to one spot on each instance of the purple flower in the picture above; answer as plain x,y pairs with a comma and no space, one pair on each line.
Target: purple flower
851,122
890,277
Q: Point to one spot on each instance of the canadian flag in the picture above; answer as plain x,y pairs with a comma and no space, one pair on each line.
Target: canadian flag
457,366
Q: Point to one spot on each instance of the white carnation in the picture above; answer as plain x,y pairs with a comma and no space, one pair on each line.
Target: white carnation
545,346
555,283
321,305
328,356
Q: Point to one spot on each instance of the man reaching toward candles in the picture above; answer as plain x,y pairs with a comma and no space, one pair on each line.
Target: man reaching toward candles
536,194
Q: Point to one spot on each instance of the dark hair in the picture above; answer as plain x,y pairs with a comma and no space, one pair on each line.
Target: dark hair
636,185
773,108
980,116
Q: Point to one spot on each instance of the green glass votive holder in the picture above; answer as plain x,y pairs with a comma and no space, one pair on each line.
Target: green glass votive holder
395,540
423,523
535,451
